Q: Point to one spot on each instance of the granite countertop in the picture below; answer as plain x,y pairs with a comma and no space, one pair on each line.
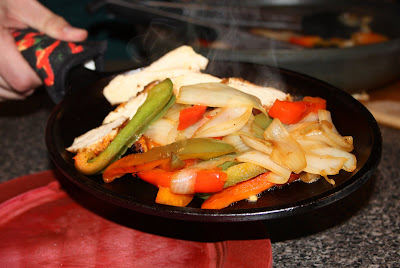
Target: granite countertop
361,230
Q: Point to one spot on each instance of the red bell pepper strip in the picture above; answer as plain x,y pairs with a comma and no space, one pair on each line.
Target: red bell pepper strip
166,197
204,180
157,177
191,116
315,103
291,112
305,41
238,192
119,170
361,38
288,112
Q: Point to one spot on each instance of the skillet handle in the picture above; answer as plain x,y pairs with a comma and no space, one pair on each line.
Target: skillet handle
53,59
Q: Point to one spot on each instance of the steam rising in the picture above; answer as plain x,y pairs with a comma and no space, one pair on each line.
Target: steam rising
219,36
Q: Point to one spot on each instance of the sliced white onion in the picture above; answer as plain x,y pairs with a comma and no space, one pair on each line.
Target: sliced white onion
324,165
228,121
311,144
286,151
248,127
213,112
174,112
183,181
276,131
159,131
265,161
340,141
173,134
309,177
235,140
289,153
320,136
275,178
311,117
326,115
217,95
257,143
351,163
299,129
188,132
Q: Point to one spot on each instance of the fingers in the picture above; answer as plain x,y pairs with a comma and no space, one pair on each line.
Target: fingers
35,15
7,93
18,78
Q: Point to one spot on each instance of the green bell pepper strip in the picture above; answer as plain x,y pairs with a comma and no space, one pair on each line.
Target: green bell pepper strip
242,172
261,122
159,97
198,148
236,173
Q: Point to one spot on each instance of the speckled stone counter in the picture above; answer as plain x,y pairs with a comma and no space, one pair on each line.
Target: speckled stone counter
361,230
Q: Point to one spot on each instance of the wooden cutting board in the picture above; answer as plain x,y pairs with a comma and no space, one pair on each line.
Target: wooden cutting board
384,104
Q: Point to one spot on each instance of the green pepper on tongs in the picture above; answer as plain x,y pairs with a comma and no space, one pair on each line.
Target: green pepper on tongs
159,99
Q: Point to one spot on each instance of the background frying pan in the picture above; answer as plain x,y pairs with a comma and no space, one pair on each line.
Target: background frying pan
84,108
164,25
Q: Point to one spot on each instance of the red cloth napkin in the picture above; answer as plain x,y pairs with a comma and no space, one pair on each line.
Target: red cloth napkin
45,227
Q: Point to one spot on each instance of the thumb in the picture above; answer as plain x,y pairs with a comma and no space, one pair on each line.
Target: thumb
35,15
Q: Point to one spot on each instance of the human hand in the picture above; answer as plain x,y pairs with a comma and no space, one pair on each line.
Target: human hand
17,79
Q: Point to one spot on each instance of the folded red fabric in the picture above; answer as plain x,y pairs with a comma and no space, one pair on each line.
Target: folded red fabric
45,227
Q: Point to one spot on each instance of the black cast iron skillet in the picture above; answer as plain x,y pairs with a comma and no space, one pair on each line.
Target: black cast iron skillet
84,109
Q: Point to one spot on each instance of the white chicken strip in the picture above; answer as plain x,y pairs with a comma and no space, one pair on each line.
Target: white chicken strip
127,109
125,86
181,61
183,57
98,138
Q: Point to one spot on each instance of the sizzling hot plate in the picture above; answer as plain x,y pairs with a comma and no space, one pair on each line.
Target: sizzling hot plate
85,109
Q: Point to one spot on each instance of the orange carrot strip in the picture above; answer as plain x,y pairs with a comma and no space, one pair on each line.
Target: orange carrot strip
165,197
190,116
238,192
